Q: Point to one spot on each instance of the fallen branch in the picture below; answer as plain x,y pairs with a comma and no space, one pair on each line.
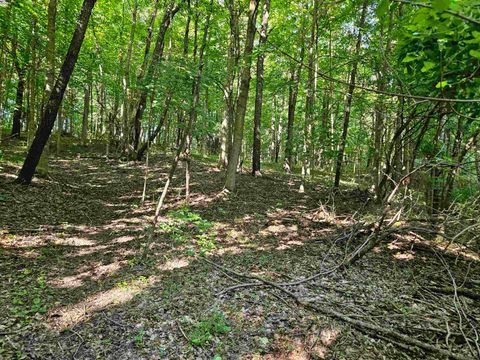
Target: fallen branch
359,324
450,290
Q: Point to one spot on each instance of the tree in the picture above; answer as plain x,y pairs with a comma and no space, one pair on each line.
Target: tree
257,119
241,106
51,109
349,96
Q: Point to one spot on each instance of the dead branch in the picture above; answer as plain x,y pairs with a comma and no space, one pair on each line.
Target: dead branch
450,290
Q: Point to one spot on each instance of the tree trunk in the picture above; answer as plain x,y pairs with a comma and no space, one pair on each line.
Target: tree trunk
242,98
292,103
477,164
18,112
154,134
232,62
348,100
257,119
126,84
50,55
193,114
86,112
309,102
51,109
32,86
156,59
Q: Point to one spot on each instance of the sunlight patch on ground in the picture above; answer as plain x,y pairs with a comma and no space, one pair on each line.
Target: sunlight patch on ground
314,346
74,241
409,255
174,264
88,251
97,272
232,250
404,242
289,245
37,241
277,229
66,316
122,239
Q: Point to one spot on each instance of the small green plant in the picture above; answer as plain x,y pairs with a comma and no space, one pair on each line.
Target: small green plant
204,330
206,242
139,338
29,301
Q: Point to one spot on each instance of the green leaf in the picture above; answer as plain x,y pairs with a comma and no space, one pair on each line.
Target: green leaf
441,5
427,66
382,8
409,58
475,53
442,84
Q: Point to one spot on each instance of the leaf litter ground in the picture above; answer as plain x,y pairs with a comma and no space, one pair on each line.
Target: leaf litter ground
85,275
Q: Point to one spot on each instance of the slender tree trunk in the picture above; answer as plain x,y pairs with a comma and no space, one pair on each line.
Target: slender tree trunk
229,95
32,86
59,128
51,109
242,98
156,59
257,118
50,55
86,112
292,104
458,156
309,102
126,84
349,97
193,113
18,111
477,164
157,130
195,93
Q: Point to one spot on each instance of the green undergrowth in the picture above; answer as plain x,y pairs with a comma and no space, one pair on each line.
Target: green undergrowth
185,227
204,331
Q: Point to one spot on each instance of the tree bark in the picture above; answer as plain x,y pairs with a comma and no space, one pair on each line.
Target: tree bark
292,104
51,109
155,132
257,119
50,55
32,86
309,102
86,112
156,59
18,111
192,117
242,98
349,97
232,62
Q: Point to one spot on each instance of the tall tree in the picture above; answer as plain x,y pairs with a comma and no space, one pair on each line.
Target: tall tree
242,98
51,110
257,118
170,12
192,115
349,96
309,101
229,95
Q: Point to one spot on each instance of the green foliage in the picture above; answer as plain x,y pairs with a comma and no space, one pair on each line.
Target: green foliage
441,5
190,225
204,330
464,193
138,339
31,299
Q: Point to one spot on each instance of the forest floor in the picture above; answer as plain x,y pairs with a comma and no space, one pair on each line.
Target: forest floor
85,275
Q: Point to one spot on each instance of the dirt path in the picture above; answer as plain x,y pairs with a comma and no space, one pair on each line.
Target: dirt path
84,274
